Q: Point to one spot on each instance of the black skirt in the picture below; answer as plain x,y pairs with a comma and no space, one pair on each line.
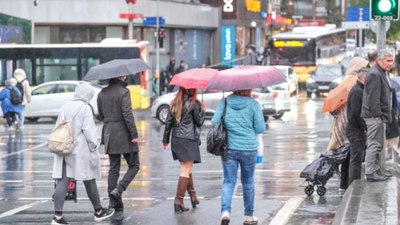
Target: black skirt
185,150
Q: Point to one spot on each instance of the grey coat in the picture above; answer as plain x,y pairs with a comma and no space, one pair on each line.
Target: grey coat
376,96
84,162
115,110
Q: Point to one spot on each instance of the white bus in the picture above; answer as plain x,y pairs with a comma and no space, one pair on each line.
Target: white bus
50,62
305,47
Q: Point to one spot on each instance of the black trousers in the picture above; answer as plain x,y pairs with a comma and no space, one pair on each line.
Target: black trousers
10,117
132,159
357,151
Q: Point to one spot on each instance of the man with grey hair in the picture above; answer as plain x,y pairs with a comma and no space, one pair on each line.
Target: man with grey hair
376,112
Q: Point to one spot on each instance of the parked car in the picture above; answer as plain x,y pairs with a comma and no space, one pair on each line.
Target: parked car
291,78
281,96
325,78
160,106
49,97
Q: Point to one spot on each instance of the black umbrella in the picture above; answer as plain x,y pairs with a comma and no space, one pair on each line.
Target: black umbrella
116,68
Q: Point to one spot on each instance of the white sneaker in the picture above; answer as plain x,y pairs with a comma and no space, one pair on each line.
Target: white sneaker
11,128
225,218
250,220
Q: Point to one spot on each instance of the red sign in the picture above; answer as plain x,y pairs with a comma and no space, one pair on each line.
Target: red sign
130,1
130,15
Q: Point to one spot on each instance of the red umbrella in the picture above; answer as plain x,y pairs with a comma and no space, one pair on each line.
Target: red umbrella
246,77
193,78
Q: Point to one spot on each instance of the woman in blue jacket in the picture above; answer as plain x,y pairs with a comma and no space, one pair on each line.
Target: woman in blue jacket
243,120
10,111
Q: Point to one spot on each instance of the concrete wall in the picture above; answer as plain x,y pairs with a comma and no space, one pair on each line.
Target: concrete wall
107,12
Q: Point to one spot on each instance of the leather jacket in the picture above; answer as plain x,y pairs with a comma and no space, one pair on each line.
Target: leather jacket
192,119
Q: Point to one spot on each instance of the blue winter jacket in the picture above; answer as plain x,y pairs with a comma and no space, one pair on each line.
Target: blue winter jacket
6,105
244,119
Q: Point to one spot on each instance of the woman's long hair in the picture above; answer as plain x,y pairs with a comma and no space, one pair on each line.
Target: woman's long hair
179,101
244,92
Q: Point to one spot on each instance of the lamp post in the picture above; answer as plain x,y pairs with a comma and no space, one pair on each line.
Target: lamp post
157,75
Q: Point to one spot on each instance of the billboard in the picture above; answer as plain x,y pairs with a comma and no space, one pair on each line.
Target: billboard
227,45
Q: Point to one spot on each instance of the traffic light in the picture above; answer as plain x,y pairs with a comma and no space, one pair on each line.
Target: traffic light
161,36
384,9
130,1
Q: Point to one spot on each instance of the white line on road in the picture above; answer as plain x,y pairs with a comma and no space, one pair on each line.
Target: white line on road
286,211
24,150
19,209
11,181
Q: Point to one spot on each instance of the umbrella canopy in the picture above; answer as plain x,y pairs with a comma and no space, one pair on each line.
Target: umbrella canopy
337,97
246,77
193,78
116,68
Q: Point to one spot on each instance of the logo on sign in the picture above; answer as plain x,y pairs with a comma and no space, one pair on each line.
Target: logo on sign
229,9
227,44
228,6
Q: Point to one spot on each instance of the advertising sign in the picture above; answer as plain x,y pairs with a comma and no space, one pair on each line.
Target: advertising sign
227,45
229,9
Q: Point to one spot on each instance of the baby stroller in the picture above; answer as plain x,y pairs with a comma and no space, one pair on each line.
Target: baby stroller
322,169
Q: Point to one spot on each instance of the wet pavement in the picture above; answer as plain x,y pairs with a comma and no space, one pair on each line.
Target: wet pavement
290,143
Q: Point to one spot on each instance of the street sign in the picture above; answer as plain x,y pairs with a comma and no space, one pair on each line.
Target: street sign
353,13
356,25
374,25
130,15
152,21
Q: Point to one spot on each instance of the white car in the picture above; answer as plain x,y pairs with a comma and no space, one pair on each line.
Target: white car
281,95
291,78
160,106
49,97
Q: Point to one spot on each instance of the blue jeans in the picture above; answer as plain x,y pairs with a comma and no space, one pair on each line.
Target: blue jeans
247,162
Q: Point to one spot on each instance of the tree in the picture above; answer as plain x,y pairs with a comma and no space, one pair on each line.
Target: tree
333,12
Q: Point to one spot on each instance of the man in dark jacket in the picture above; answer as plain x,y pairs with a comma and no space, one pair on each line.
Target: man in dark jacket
119,136
356,128
376,112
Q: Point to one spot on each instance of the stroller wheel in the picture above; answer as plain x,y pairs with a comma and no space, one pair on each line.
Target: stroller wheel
321,190
309,190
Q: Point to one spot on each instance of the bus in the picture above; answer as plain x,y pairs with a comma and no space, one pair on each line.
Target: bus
51,62
304,48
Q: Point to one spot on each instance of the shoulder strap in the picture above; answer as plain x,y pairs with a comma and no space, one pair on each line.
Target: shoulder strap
80,108
223,114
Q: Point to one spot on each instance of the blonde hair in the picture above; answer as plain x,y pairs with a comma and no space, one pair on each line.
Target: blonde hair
179,100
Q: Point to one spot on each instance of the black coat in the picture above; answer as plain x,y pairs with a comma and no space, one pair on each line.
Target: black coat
376,96
115,110
392,129
192,117
355,122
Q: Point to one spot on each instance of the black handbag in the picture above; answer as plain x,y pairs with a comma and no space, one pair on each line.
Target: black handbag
217,138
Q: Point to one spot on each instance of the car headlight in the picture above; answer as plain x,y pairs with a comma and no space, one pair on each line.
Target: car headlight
337,80
310,81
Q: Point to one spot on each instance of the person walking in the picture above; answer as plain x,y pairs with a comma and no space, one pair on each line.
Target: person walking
376,112
243,121
119,136
84,162
10,110
356,128
185,117
181,67
25,89
170,73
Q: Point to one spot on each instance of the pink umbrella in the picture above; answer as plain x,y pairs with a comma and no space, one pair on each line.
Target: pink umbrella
193,78
246,77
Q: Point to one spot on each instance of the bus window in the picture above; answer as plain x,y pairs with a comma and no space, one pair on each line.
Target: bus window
56,69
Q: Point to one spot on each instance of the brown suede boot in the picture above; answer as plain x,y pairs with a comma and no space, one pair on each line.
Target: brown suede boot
180,194
192,192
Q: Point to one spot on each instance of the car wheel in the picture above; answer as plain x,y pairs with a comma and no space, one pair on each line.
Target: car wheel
162,113
309,94
278,115
32,119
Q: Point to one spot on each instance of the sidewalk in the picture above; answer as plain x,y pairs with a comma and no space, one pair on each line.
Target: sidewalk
369,203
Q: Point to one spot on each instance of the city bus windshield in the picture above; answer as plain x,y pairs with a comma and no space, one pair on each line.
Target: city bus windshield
292,53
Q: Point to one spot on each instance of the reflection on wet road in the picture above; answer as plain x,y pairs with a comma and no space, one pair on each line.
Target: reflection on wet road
290,144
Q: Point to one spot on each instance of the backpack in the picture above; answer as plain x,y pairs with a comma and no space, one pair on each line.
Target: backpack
20,86
15,97
61,141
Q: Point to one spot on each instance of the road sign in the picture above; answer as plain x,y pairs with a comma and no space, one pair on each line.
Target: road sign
353,13
152,21
374,25
130,15
356,25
